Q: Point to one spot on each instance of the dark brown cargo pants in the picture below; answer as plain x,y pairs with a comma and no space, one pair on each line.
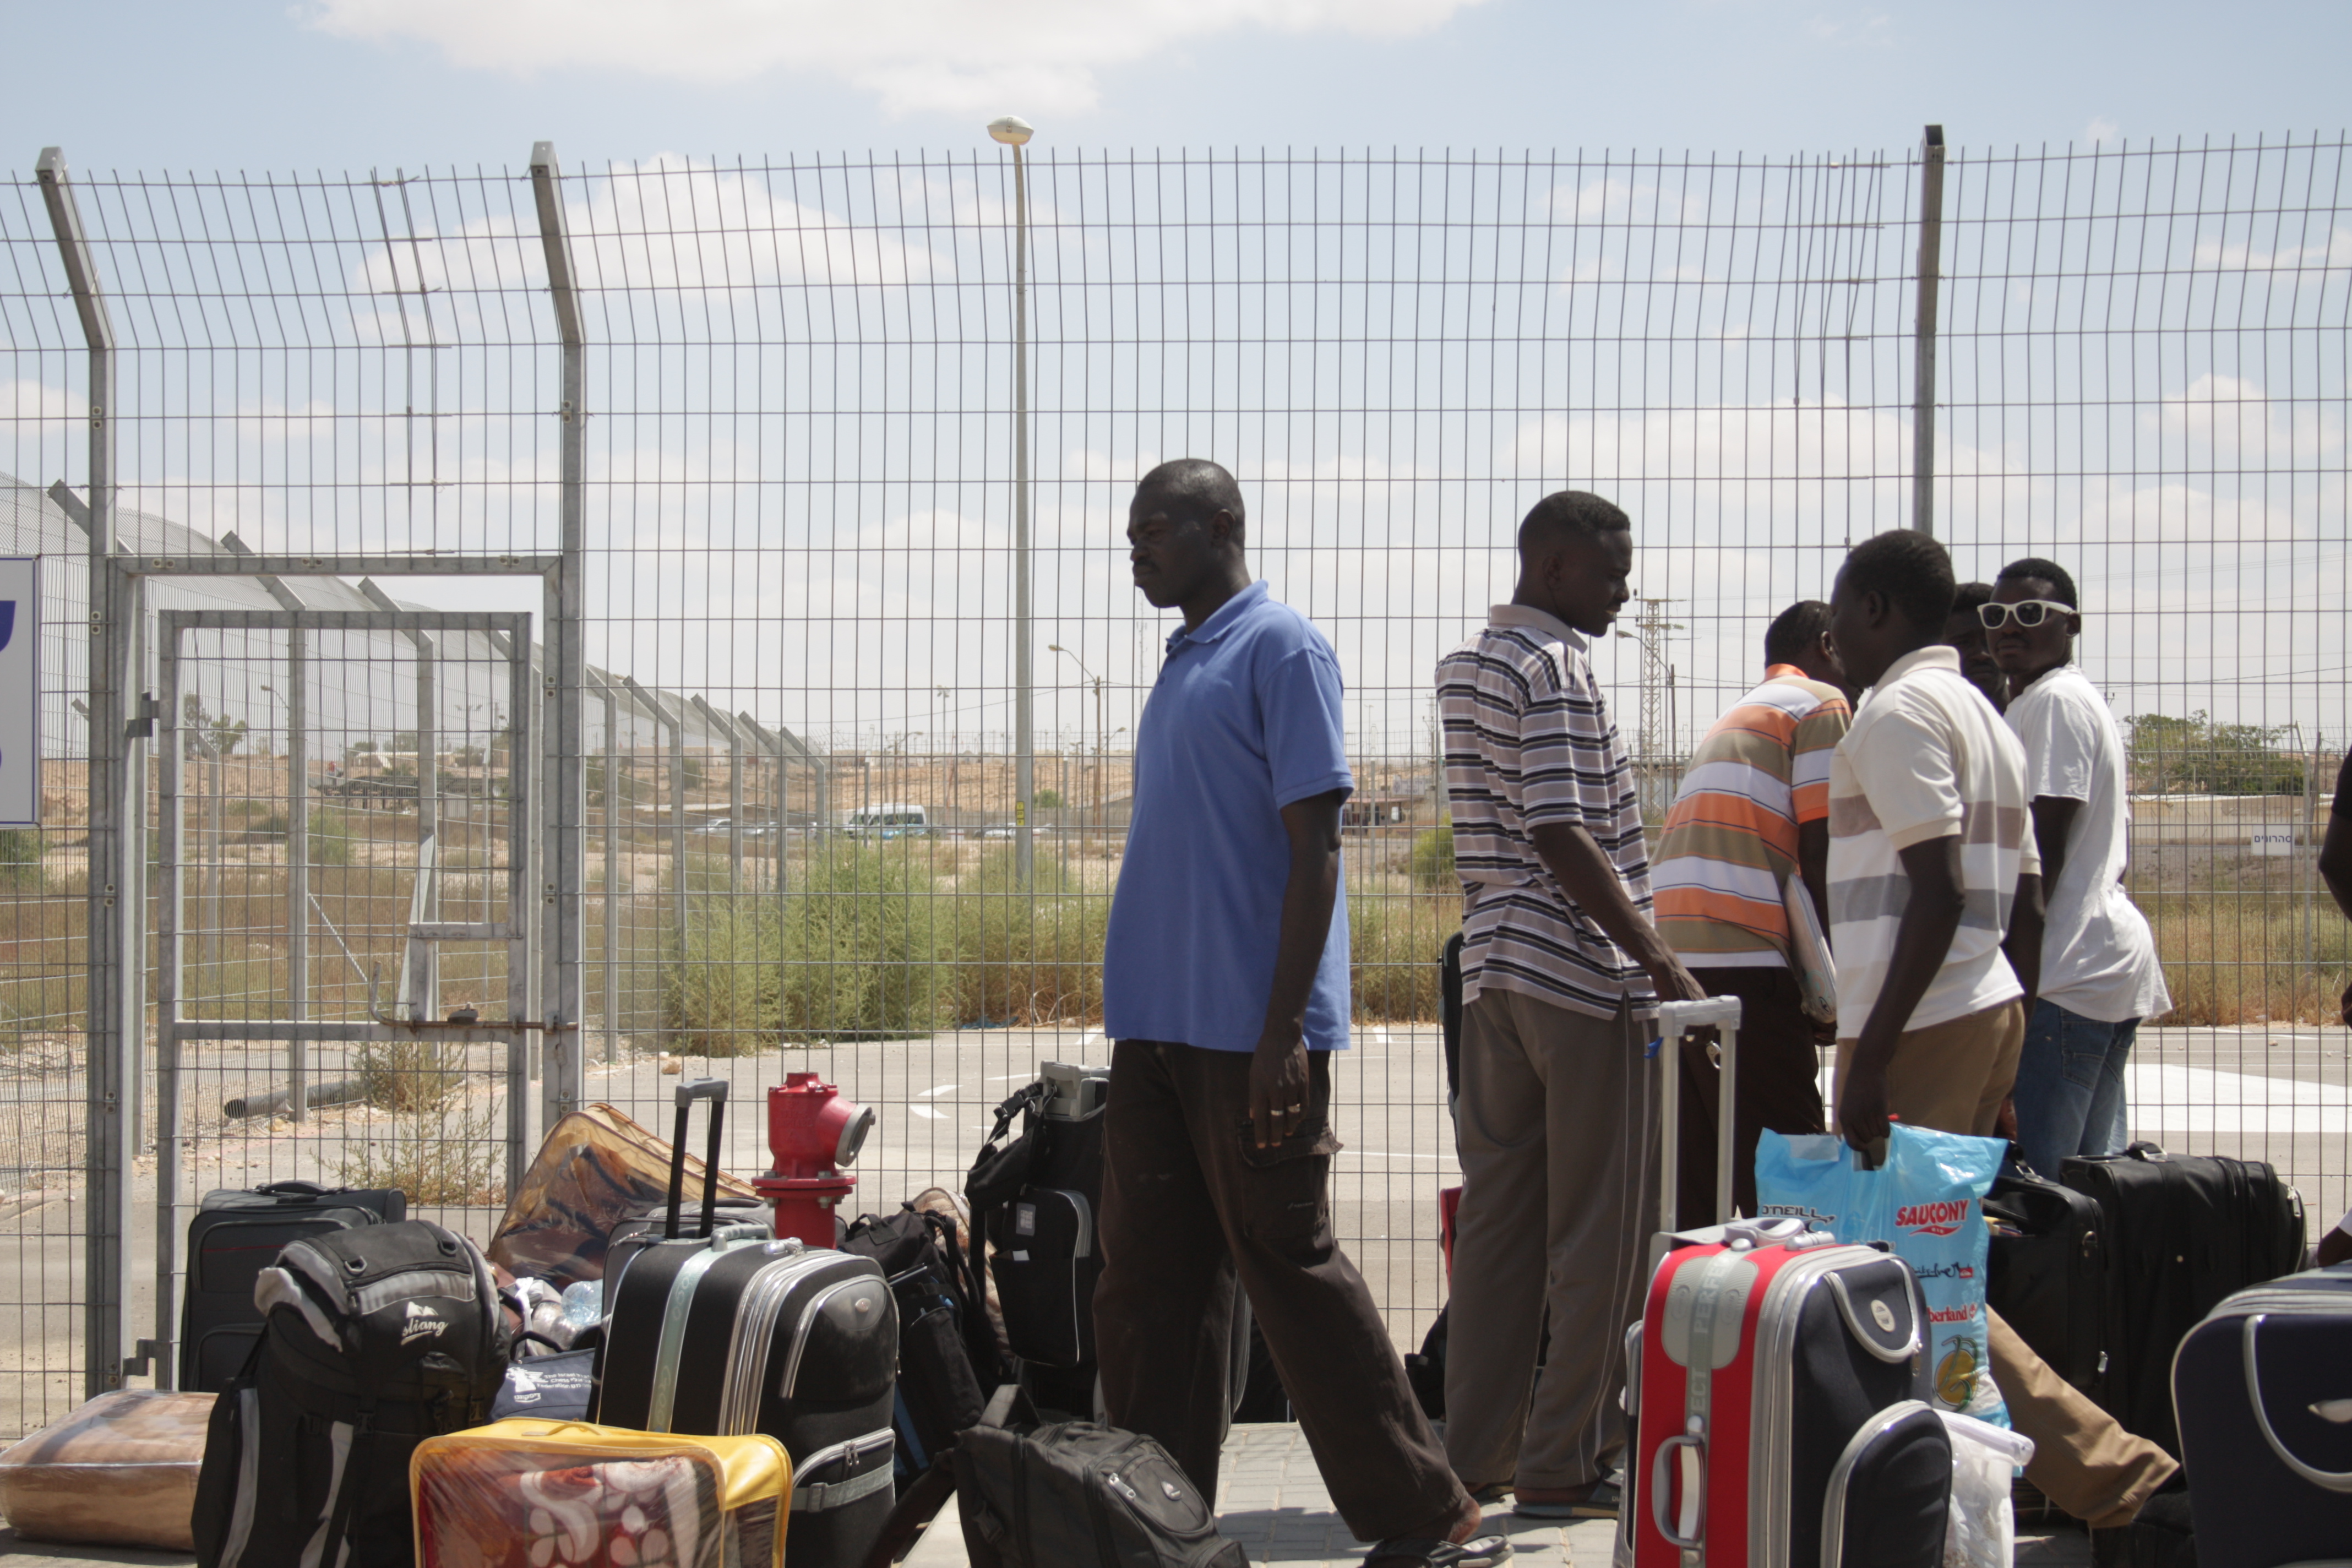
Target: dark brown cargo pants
1190,1202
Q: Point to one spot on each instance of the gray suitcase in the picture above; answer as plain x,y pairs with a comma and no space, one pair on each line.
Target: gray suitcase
726,1334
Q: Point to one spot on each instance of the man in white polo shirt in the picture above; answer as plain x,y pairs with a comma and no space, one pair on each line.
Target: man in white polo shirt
1935,886
2099,971
1935,919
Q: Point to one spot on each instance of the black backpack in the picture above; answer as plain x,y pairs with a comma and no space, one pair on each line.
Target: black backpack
373,1340
1033,1199
1073,1494
947,1353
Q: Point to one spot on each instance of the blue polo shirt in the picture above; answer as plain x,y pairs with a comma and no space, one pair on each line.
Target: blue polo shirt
1244,722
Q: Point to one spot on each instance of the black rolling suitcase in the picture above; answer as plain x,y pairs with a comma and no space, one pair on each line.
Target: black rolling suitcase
723,1335
2264,1387
2181,1233
236,1235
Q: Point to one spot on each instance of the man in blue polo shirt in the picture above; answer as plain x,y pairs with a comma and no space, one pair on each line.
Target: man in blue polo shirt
1226,986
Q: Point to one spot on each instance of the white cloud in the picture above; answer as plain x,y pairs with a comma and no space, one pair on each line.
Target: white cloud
2333,254
2101,130
1042,58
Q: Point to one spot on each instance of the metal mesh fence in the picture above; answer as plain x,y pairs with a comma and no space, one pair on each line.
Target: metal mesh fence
800,726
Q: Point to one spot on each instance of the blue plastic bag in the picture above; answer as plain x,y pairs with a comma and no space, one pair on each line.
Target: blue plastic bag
1926,1203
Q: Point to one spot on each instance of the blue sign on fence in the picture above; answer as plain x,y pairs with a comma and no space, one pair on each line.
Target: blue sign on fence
20,691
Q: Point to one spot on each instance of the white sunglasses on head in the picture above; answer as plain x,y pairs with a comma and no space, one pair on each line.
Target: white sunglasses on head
2030,613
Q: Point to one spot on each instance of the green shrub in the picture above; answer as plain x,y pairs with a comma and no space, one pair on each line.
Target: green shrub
855,950
1030,957
1049,800
330,838
1394,942
20,859
1431,861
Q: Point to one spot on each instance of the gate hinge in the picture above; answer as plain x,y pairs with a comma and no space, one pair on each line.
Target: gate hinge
139,1365
142,726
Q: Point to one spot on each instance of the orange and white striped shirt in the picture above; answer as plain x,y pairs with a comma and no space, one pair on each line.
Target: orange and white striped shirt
1730,841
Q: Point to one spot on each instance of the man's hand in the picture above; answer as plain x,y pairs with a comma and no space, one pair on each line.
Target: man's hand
1862,1109
1277,1089
2347,1003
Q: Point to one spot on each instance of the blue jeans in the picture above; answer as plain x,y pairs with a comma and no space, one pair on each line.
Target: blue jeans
2070,1087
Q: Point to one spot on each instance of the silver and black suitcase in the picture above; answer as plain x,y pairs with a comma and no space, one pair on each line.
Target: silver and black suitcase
2263,1389
729,1334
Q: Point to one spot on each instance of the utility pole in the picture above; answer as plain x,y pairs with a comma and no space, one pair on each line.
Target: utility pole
1654,735
1015,132
1923,384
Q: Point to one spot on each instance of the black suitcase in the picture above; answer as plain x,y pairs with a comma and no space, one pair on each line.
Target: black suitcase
2046,1271
2264,1388
236,1235
721,1335
2181,1233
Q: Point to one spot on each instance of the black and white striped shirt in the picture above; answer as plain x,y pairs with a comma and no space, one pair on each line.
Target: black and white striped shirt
1529,741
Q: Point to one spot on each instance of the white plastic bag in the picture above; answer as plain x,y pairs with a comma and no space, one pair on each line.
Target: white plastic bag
1980,1531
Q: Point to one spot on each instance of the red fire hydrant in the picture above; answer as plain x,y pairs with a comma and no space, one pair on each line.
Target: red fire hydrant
813,1135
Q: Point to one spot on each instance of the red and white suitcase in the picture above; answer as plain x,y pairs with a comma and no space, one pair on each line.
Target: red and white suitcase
1777,1389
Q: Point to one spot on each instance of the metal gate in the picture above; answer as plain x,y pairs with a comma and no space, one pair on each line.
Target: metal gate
347,956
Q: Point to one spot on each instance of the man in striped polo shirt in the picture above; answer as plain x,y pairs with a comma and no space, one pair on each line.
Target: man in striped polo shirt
1562,971
1754,811
1935,881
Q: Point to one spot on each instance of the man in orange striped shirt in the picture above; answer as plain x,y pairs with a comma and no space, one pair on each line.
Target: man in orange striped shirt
1752,812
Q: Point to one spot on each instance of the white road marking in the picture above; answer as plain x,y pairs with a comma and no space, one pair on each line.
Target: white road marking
939,1089
927,1113
2168,1098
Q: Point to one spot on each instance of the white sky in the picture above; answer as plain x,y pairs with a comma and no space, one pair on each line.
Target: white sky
361,84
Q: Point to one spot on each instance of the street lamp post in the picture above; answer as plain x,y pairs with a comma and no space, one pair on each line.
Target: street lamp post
1102,736
1013,131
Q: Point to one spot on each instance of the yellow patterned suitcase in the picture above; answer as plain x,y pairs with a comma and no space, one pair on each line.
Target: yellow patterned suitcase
567,1494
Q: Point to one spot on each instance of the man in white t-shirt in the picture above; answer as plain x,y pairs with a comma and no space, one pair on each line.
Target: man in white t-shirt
2099,971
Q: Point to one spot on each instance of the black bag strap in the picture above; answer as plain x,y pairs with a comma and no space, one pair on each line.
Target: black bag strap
339,1523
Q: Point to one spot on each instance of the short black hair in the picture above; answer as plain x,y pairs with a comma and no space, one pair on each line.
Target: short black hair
1195,488
2062,584
1969,597
1566,514
1795,631
1911,569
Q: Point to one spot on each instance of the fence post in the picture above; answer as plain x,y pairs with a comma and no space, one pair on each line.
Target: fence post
611,864
726,726
297,833
1923,389
563,692
113,961
675,724
421,964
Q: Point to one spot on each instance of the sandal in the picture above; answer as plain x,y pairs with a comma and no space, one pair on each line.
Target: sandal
1427,1551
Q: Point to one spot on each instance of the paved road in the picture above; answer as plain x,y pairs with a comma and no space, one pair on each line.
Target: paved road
2281,1094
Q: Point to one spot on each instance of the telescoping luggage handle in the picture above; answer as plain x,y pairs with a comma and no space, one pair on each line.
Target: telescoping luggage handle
713,1090
1676,1020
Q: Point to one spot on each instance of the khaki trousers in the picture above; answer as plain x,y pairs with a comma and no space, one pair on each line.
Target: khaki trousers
1557,1123
1953,1076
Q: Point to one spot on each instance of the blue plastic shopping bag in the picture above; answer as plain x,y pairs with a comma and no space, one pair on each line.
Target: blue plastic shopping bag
1925,1203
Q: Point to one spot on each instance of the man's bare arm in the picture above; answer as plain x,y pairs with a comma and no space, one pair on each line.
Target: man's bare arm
1278,1066
1589,878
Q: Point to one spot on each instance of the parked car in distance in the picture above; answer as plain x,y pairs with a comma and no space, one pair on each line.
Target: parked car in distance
894,819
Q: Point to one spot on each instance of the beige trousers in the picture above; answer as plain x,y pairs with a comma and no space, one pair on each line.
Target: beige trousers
1560,1172
1953,1076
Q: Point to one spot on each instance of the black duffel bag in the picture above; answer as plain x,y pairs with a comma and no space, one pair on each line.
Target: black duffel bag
2046,1271
1073,1494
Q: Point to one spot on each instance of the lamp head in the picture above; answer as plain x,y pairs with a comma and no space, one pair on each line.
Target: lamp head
1011,130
